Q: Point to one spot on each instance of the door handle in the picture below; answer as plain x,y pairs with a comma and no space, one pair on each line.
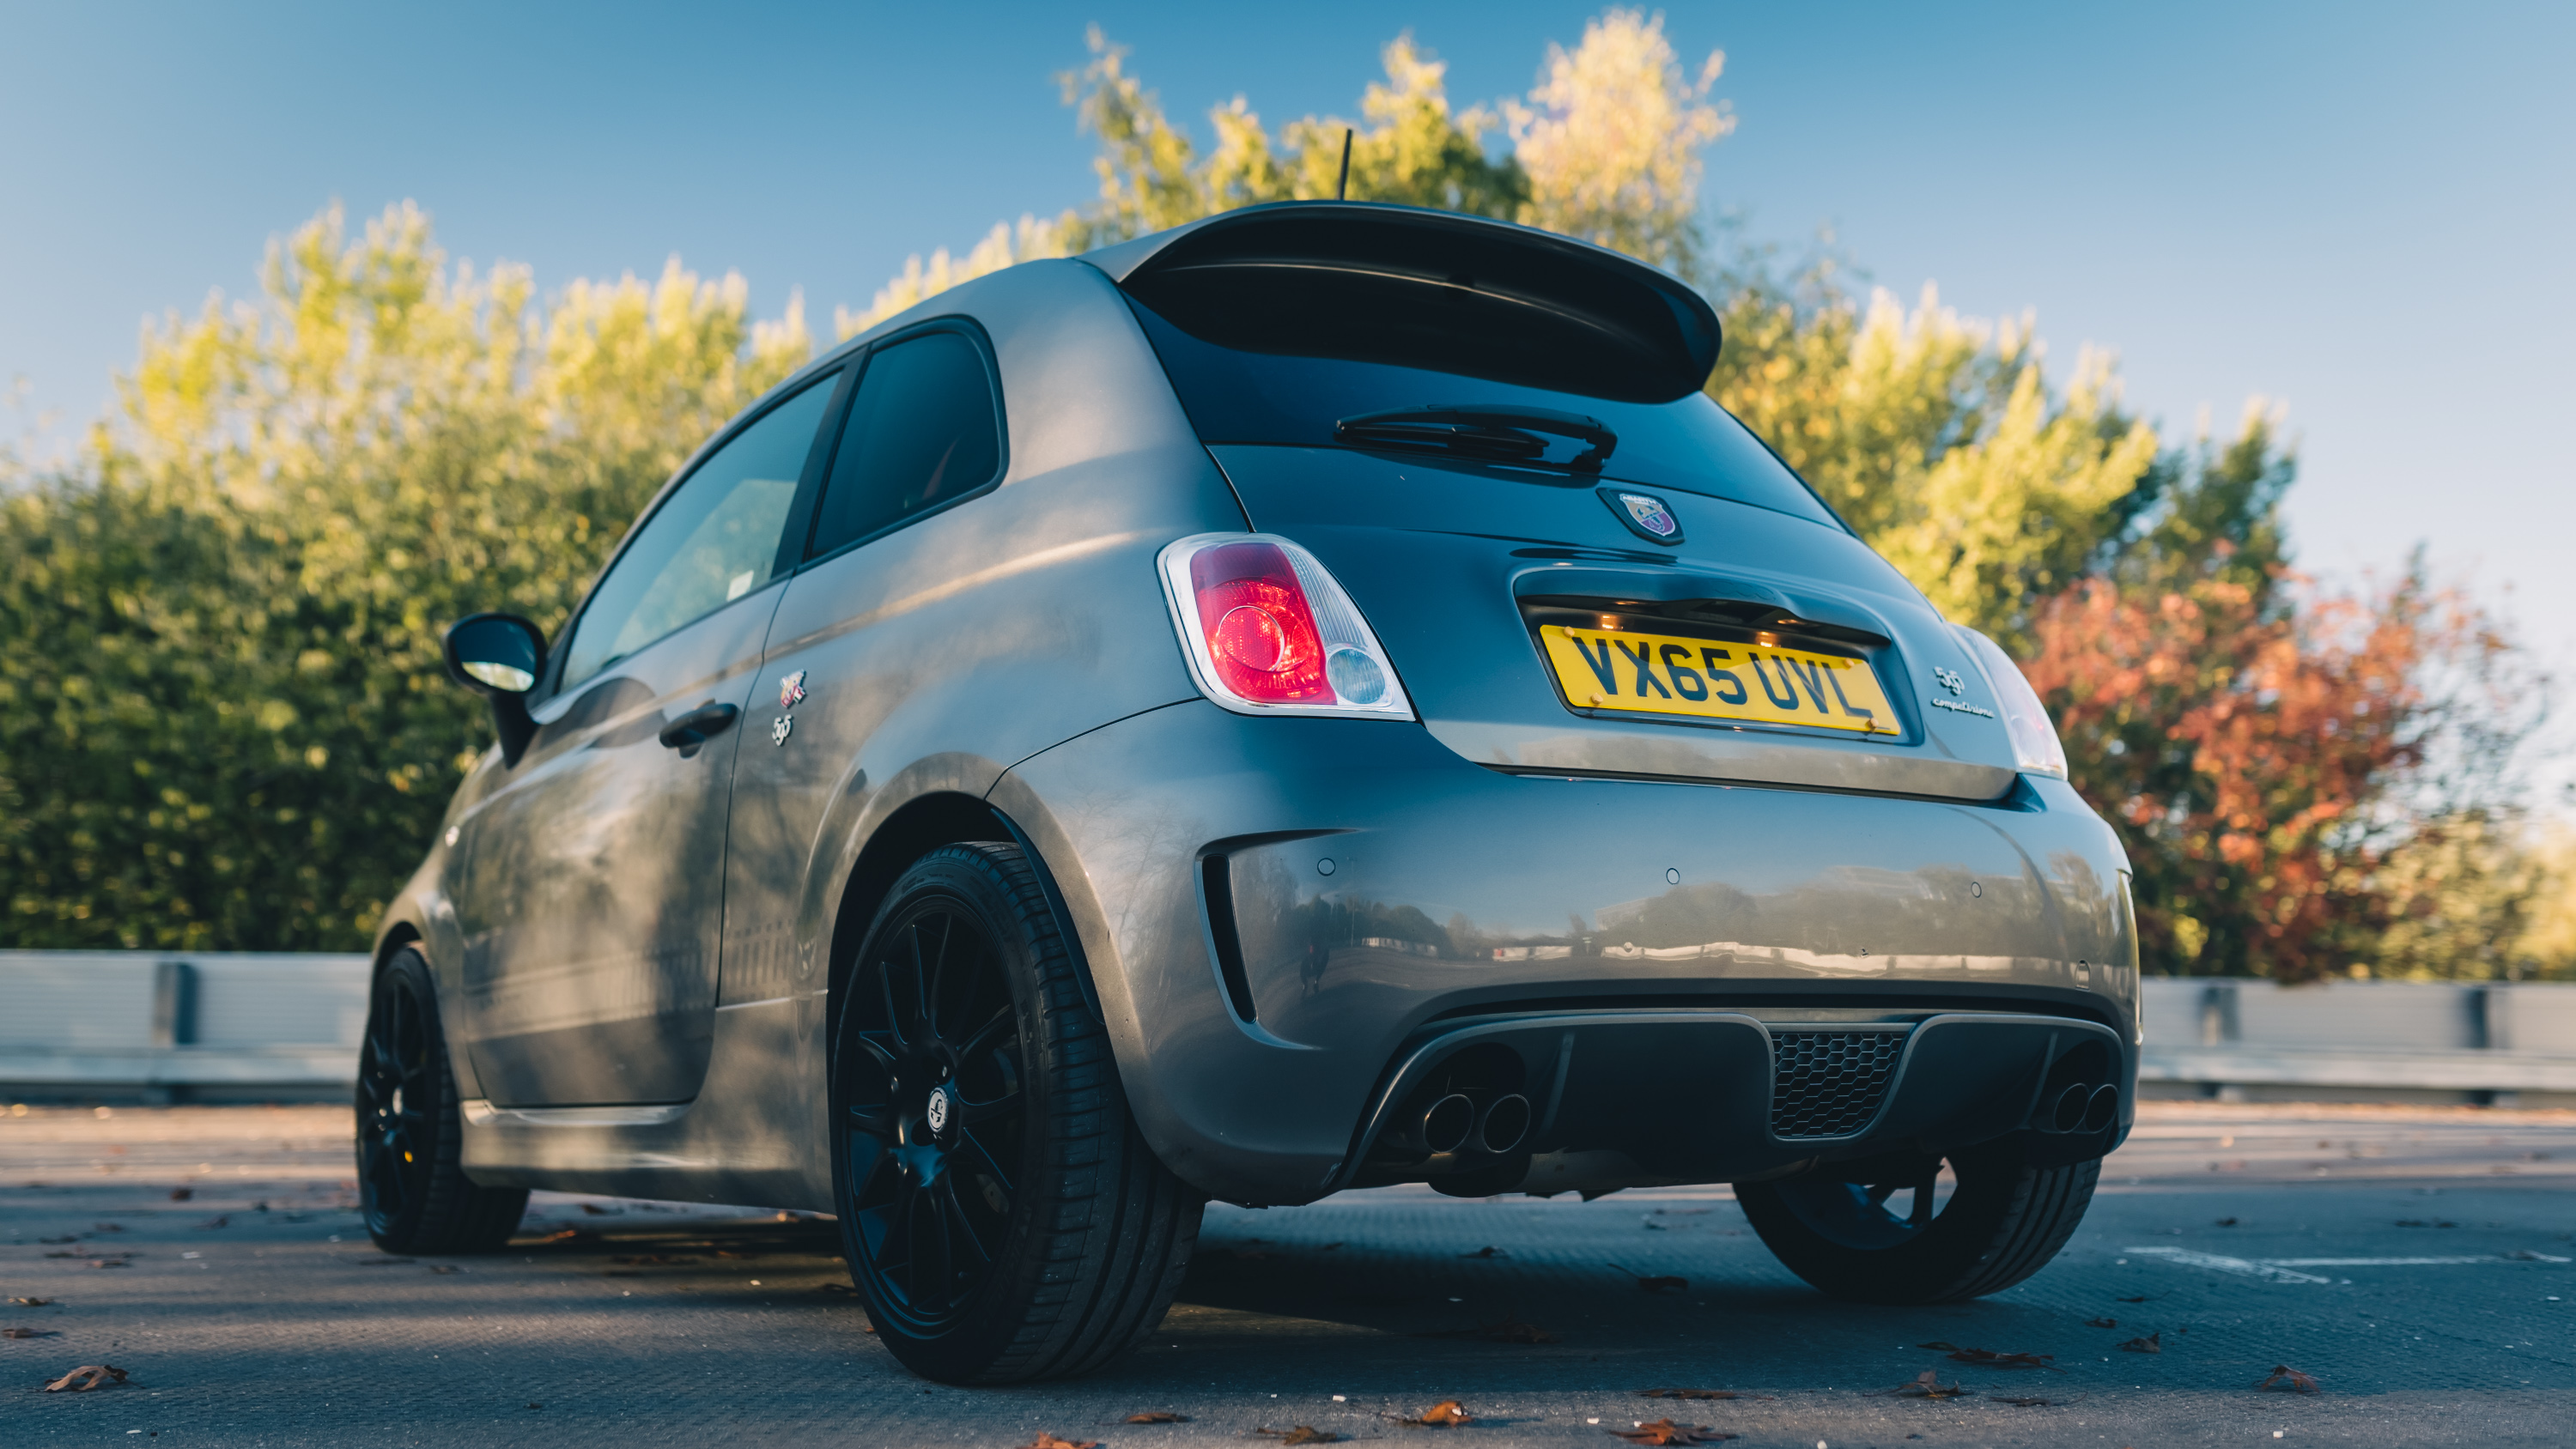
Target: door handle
697,727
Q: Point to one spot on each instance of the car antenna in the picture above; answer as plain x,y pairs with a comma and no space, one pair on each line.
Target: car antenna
1342,188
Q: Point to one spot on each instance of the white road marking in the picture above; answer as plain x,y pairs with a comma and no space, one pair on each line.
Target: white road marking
2246,1266
2285,1270
2403,1262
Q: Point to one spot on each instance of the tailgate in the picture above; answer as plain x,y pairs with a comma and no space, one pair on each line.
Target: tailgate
1536,634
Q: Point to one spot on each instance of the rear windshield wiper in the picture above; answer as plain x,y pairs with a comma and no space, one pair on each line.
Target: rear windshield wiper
1493,432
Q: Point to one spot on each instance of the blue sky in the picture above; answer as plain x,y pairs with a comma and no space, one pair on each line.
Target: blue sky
2361,209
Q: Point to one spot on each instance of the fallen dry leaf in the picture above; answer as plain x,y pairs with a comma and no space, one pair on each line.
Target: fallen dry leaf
2284,1376
87,1377
1300,1434
1665,1431
16,1332
1046,1440
2152,1343
1687,1394
31,1302
1988,1358
182,1194
1156,1416
1927,1385
2101,1323
1447,1414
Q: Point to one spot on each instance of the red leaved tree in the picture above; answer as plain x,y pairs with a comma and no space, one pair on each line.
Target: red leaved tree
2257,747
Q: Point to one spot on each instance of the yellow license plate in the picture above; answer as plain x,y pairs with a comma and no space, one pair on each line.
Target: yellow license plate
1712,679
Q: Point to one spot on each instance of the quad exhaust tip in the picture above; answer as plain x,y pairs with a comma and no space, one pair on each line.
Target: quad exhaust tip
1446,1123
1506,1121
2102,1108
2084,1109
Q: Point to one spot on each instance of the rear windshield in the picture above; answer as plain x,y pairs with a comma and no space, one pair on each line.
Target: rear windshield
1691,444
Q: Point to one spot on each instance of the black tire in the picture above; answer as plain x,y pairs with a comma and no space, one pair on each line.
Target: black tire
1031,1233
2003,1221
415,1196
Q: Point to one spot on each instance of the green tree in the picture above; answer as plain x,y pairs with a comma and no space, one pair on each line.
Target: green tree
223,720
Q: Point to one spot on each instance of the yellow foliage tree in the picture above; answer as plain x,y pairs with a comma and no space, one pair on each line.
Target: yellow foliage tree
1611,139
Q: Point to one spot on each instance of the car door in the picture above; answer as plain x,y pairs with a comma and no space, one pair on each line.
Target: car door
590,887
864,628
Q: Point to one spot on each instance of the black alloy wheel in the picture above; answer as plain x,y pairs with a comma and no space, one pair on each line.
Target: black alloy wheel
394,1161
933,1110
412,1190
1002,1217
1899,1237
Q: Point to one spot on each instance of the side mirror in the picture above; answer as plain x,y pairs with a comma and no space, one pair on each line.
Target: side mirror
499,656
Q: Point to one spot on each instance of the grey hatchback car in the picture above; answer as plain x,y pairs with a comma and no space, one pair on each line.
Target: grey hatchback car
1314,699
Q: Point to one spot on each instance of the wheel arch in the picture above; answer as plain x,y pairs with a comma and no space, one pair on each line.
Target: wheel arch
915,829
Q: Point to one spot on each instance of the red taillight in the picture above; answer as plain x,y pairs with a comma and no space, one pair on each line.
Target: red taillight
1267,630
1260,630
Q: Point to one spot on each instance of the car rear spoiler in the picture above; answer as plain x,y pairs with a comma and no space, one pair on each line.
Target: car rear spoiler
1433,289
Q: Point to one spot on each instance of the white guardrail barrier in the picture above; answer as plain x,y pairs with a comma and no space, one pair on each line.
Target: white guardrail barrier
217,1026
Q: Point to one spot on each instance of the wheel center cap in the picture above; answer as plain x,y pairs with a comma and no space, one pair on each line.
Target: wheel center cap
941,1109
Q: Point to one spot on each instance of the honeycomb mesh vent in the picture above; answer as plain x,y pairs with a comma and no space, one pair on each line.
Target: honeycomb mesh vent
1829,1083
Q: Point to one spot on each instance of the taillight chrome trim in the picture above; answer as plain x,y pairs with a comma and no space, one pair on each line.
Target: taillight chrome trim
1338,621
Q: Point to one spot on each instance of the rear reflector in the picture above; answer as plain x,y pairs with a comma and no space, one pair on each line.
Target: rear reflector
1267,631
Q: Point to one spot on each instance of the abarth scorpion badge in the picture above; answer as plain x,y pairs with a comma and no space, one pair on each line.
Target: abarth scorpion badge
1647,516
791,690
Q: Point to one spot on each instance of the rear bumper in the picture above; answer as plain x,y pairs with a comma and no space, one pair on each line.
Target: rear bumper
1281,916
1618,1099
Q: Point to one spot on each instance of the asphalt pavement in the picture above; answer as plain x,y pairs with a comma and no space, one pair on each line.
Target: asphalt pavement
2413,1264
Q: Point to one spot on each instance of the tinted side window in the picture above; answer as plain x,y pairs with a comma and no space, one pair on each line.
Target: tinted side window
922,431
712,541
